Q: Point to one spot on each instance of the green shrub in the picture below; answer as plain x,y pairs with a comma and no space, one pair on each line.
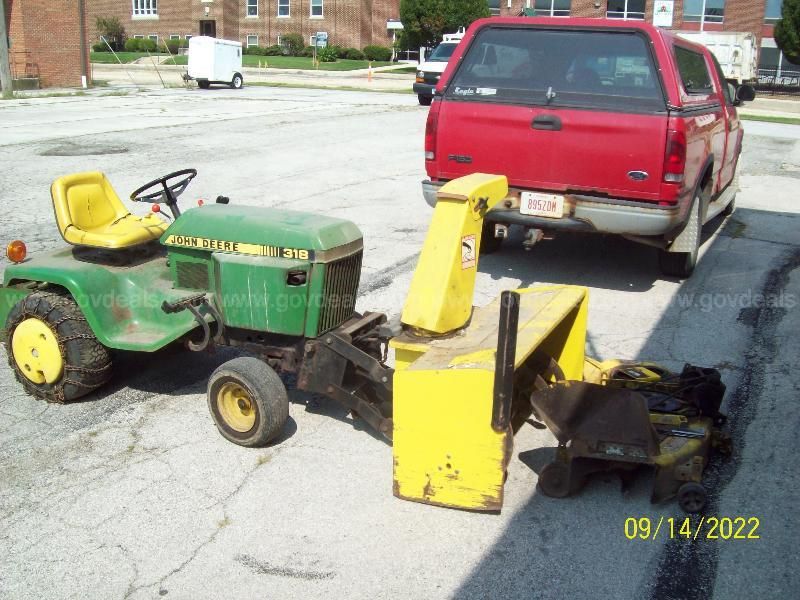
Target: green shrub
292,44
381,53
111,29
326,55
337,51
99,47
147,45
132,45
173,46
273,50
307,52
352,54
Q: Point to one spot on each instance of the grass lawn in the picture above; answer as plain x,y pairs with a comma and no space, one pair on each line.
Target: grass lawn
770,119
125,57
276,62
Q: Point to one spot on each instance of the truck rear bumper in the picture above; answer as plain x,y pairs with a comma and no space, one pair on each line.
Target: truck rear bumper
424,89
586,214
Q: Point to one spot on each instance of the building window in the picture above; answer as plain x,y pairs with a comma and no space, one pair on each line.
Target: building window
552,8
772,12
252,8
625,9
283,8
252,40
154,37
188,36
494,7
174,36
704,11
316,8
145,8
138,37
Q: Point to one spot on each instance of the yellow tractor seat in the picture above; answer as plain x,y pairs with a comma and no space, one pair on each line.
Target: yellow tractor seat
89,213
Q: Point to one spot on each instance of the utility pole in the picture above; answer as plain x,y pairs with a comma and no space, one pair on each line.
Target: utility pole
5,69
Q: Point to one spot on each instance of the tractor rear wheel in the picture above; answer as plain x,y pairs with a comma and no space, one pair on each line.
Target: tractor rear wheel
248,402
52,350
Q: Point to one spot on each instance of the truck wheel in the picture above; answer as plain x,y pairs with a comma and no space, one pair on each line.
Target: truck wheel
248,402
489,243
681,264
52,350
424,100
203,84
237,82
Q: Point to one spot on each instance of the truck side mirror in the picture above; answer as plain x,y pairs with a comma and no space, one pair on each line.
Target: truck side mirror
745,93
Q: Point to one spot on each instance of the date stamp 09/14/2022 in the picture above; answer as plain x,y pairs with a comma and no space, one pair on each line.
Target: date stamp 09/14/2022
692,528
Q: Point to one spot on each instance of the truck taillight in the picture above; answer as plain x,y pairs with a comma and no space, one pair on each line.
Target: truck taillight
430,130
675,156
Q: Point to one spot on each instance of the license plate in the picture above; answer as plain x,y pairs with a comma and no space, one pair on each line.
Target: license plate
542,205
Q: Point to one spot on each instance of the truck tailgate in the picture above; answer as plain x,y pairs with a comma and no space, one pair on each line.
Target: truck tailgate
554,149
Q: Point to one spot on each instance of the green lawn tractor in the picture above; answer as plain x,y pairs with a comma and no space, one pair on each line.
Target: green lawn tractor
271,282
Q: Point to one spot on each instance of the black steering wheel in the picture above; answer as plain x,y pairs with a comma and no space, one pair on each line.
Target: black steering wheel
169,192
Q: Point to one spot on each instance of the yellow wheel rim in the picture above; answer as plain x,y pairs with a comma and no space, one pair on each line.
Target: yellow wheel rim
237,407
36,352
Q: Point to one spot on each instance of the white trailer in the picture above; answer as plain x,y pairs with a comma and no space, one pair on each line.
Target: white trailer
736,52
215,61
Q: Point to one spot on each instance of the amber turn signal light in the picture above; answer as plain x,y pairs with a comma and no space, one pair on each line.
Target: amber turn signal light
16,251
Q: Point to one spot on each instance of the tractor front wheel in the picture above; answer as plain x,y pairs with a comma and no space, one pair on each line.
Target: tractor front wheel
248,402
52,349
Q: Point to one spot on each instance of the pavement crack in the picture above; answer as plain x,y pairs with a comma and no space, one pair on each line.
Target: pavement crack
689,569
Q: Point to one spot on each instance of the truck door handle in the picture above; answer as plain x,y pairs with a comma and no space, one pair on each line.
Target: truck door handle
547,123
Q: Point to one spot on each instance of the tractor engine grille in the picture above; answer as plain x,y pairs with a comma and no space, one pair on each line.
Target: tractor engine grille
191,275
339,291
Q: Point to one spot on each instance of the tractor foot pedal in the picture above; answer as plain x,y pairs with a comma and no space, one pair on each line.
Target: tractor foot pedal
183,303
194,304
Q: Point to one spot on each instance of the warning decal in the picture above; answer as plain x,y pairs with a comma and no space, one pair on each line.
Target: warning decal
468,254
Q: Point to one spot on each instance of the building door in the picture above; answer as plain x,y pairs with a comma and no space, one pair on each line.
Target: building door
208,28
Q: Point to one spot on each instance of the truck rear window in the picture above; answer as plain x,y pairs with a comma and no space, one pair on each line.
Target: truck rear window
581,69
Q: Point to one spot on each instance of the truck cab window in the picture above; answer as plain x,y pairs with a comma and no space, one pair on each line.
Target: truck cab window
693,71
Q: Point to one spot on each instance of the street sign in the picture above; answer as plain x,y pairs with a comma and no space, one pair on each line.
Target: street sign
321,39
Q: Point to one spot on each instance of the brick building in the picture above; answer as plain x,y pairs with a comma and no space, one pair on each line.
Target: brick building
756,16
349,23
47,41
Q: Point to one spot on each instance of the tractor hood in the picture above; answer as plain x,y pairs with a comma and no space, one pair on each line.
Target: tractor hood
262,232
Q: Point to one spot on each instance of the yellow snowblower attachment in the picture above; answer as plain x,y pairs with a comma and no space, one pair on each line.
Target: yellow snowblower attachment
463,377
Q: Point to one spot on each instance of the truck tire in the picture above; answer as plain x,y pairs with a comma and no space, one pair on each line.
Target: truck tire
237,82
248,402
203,84
52,350
728,210
678,263
424,100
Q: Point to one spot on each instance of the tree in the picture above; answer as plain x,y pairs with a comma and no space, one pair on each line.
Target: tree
112,30
787,31
425,21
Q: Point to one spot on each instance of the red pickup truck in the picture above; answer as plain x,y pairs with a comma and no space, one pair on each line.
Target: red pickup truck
602,126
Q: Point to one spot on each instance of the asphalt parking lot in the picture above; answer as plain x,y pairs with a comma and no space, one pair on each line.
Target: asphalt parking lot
132,493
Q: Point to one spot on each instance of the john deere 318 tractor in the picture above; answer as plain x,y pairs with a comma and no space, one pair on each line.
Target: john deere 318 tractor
282,286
